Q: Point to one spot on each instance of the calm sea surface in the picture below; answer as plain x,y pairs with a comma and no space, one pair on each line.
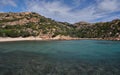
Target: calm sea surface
76,57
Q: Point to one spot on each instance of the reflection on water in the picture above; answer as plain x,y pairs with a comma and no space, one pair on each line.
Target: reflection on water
83,57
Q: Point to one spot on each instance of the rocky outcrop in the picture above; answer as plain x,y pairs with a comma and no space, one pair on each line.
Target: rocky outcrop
19,18
22,21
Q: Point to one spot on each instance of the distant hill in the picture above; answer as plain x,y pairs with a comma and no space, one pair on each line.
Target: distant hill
27,24
99,30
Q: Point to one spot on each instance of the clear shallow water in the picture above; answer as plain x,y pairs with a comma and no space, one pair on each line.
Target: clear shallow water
90,57
88,49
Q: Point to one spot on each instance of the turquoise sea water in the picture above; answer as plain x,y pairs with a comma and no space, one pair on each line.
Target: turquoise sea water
75,57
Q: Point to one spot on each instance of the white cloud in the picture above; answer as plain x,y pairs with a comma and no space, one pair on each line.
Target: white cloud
54,9
109,5
76,3
61,12
8,2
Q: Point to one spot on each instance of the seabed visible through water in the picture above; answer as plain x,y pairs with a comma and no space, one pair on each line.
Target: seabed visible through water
75,57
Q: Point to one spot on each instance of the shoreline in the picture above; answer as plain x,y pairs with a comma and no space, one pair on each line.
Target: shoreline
9,39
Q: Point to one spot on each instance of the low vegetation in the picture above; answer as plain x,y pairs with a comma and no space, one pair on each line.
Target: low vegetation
32,24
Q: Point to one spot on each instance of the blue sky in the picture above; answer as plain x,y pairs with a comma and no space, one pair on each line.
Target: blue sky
66,10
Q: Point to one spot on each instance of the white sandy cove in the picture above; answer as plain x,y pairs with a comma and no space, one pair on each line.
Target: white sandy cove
2,39
7,39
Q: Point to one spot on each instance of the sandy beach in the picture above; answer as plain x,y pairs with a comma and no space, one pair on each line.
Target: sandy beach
7,39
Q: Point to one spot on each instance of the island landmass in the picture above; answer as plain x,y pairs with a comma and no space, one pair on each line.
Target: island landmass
25,26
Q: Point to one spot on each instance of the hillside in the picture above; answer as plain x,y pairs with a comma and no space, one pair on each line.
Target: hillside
99,30
31,24
27,24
